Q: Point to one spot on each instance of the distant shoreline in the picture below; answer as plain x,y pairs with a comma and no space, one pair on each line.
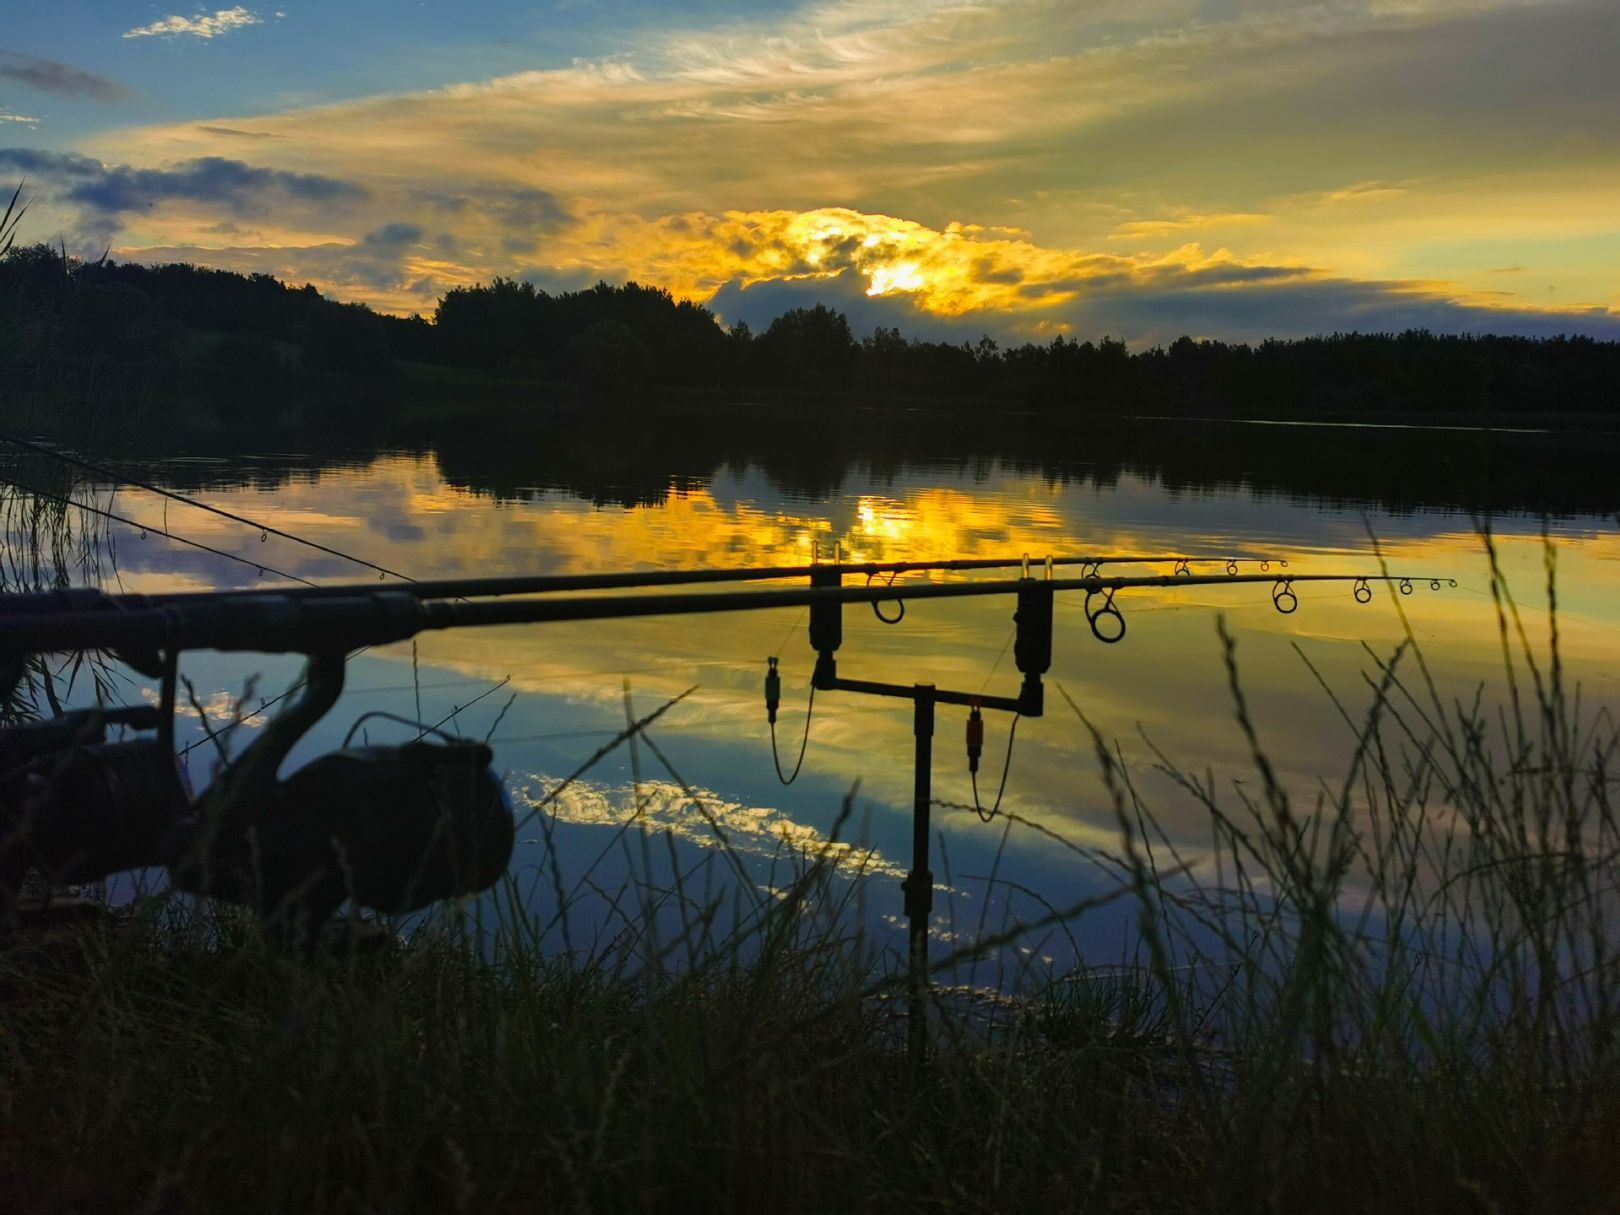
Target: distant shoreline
108,396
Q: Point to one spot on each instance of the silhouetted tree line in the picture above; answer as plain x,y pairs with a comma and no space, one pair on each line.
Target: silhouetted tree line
618,339
57,307
512,326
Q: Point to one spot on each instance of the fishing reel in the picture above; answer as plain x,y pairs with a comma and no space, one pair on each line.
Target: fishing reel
392,828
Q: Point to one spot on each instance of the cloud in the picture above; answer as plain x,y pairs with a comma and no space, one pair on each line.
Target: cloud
981,164
241,188
762,265
759,303
957,270
1183,222
1361,192
392,236
501,202
61,79
24,119
222,21
1030,113
235,133
1307,305
1154,301
526,207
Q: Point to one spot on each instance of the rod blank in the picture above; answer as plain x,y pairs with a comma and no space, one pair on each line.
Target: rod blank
365,615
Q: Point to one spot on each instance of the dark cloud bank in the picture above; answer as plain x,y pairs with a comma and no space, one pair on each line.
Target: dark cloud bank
1248,304
62,79
242,188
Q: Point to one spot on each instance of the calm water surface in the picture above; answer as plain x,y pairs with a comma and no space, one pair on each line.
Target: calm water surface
1163,691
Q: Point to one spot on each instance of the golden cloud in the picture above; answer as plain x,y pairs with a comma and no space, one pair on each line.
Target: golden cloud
949,271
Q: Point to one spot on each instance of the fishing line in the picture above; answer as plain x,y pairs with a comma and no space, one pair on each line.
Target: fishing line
804,743
458,683
422,730
1006,767
792,629
380,689
263,529
553,737
995,666
455,710
144,528
1562,614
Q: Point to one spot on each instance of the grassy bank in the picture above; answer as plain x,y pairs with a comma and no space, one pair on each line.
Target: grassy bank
1398,992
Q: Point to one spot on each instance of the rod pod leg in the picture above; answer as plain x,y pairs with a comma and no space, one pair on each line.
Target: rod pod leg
919,883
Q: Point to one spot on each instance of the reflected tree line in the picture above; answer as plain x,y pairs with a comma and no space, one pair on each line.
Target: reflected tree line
254,333
639,461
1557,473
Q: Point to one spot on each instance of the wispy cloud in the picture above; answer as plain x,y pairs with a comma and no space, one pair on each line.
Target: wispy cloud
223,21
1183,222
24,119
236,132
1358,192
62,79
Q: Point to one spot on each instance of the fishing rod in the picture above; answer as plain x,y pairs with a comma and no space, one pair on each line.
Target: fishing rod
537,584
347,617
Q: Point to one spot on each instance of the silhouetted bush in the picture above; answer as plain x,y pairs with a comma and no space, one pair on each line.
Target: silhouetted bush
345,338
608,359
119,321
249,354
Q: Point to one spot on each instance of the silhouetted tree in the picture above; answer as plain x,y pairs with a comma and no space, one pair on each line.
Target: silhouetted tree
808,348
487,326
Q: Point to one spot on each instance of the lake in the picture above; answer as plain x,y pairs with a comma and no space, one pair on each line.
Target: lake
603,494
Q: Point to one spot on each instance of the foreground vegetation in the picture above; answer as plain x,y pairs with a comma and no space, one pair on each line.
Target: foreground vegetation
1399,994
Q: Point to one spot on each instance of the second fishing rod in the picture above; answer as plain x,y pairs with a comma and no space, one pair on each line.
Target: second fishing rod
540,584
353,616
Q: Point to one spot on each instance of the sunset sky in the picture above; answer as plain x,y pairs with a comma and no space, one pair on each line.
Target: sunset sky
1223,168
